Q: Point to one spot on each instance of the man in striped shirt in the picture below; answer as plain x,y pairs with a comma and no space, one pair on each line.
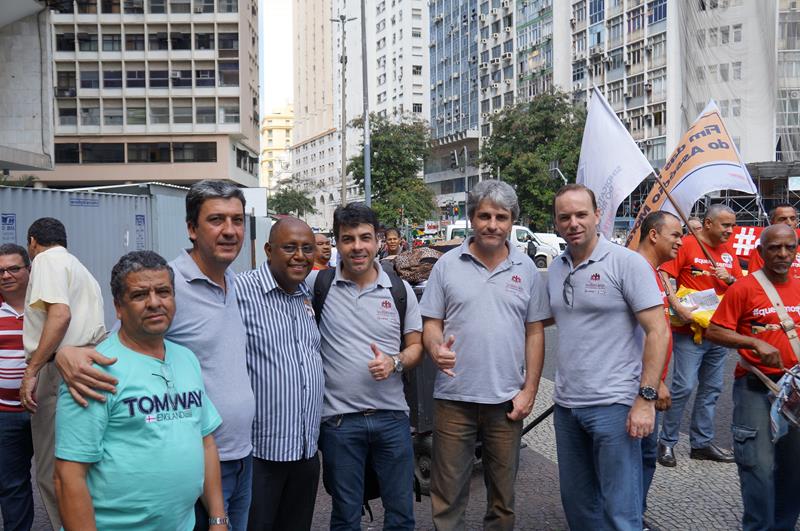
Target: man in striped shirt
16,446
285,367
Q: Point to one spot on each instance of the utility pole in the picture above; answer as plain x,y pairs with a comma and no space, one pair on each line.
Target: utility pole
365,88
343,20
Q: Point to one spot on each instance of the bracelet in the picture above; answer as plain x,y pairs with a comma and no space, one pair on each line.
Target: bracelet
218,520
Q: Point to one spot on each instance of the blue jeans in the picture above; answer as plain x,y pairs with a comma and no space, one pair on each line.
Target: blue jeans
345,441
769,474
701,366
599,468
649,457
237,489
16,452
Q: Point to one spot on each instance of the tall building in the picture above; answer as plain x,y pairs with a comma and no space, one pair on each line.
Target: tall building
276,145
496,36
543,47
455,120
26,78
162,90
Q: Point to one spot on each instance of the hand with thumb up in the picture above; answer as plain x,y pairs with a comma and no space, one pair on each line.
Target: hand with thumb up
444,357
382,366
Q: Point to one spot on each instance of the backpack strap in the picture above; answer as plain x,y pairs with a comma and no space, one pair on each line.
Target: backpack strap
398,291
322,285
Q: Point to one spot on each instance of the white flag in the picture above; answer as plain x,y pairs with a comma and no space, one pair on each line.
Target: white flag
611,164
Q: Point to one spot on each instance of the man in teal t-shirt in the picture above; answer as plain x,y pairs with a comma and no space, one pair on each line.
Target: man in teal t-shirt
141,459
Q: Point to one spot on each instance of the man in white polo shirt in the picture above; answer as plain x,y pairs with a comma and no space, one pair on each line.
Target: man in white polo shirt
484,307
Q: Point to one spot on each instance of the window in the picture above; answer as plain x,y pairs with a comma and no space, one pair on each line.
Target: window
203,6
194,151
737,70
157,6
112,79
701,38
159,111
204,78
90,112
179,6
148,152
416,70
596,11
204,41
416,107
109,6
737,33
135,78
112,112
635,19
87,7
134,7
229,111
736,107
65,84
159,78
656,11
180,41
723,72
112,43
134,41
182,111
228,41
229,73
67,153
135,112
228,6
67,113
181,78
723,108
102,153
712,36
158,40
416,32
65,42
724,35
90,79
87,42
206,113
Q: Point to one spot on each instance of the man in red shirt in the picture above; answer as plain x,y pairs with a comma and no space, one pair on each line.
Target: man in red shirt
322,252
691,268
659,242
16,446
769,473
784,214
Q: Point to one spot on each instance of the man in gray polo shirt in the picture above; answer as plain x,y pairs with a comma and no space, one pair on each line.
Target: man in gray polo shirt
607,370
364,411
208,322
489,301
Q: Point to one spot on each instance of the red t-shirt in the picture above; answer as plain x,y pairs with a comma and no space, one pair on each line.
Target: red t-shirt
692,269
755,262
666,315
747,310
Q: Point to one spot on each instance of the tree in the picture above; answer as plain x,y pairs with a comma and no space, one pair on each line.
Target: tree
290,200
525,139
23,181
398,153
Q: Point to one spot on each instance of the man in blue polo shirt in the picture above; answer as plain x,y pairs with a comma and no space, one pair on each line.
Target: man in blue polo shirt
607,370
141,459
489,302
364,412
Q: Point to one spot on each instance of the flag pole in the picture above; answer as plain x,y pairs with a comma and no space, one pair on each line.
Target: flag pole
683,217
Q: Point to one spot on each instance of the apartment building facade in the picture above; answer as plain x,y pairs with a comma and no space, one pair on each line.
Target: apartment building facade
276,146
149,90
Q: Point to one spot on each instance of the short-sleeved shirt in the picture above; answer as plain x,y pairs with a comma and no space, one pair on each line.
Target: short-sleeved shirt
746,309
351,320
57,277
207,321
12,358
600,343
665,299
693,270
755,262
283,359
145,442
486,311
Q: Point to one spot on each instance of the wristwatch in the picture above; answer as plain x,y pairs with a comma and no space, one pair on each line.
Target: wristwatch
398,364
219,520
648,393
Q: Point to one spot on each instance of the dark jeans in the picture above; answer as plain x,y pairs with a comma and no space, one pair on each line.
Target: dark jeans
457,427
237,487
284,493
345,441
16,451
649,458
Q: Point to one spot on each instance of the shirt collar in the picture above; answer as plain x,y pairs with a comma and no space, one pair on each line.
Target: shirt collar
383,278
515,256
8,309
268,283
600,251
189,269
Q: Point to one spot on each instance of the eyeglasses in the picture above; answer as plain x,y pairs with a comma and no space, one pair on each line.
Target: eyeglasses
166,374
13,270
291,249
569,291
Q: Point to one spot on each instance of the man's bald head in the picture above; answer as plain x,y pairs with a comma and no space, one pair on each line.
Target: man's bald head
777,231
284,224
778,249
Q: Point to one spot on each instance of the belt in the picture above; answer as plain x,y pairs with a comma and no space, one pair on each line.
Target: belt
756,385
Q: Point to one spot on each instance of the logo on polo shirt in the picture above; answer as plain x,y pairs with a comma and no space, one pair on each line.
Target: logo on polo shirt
387,304
596,277
594,286
516,278
727,258
386,311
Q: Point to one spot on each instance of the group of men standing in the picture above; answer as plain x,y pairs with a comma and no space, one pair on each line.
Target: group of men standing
294,362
